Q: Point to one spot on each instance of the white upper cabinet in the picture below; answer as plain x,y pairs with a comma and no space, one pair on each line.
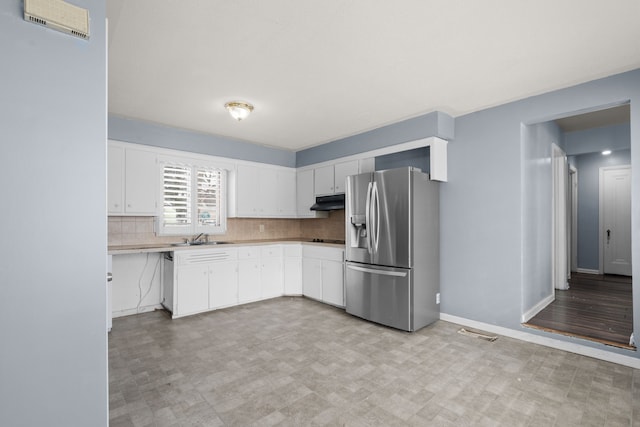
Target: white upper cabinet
286,193
263,192
331,179
342,171
115,179
305,197
323,184
131,181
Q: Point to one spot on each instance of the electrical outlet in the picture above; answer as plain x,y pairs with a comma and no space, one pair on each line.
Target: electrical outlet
438,298
262,228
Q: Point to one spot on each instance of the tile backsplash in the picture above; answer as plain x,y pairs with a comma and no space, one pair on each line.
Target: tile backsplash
127,230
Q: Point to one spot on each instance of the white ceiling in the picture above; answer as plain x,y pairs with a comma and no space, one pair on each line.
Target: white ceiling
317,71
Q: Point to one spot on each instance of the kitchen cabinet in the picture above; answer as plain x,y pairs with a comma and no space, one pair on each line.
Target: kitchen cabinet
323,274
305,196
131,182
286,193
200,280
331,179
249,286
333,282
271,274
341,172
192,290
223,284
293,269
312,278
265,192
323,180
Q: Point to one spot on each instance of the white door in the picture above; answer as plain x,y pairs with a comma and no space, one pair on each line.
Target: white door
615,209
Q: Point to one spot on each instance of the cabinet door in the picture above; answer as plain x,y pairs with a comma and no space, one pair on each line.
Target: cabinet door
323,180
342,171
140,182
293,276
249,287
333,283
286,193
247,190
268,188
192,289
305,196
271,277
223,284
256,191
311,278
115,179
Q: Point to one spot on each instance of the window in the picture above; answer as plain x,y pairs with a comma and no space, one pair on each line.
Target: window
193,199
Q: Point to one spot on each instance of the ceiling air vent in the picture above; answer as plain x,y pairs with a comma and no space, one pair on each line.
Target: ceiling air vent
58,15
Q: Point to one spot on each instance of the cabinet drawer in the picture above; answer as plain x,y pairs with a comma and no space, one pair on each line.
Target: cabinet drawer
248,252
271,251
205,256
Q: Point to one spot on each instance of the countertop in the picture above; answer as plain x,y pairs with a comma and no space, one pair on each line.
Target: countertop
166,247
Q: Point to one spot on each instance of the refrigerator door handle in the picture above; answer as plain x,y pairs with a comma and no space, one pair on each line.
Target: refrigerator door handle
380,272
367,219
376,236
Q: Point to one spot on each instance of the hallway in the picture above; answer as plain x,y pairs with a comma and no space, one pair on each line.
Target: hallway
596,307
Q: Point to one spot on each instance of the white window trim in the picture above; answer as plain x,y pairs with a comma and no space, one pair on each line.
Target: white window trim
193,227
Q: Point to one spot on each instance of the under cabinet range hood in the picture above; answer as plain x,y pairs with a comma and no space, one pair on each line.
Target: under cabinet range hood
329,203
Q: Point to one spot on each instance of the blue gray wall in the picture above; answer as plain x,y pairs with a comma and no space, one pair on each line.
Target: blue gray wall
598,139
146,133
536,211
588,166
53,341
433,124
483,223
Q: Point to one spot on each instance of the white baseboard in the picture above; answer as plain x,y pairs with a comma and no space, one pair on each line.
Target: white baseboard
130,311
571,347
537,308
587,271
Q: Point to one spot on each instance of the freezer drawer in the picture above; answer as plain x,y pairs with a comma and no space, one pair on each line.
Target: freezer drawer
380,294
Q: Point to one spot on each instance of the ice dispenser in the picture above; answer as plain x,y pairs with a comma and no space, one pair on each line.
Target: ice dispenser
358,231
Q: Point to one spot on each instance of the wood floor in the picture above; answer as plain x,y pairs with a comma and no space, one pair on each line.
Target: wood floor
596,307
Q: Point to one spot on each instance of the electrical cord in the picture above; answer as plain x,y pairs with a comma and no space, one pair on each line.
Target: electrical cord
142,297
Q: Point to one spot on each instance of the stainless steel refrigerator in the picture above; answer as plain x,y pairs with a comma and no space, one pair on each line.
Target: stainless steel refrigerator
392,271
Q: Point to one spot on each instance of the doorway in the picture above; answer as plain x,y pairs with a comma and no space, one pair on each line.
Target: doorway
597,305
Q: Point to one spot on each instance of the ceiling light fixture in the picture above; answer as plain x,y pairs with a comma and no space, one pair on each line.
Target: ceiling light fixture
239,110
606,152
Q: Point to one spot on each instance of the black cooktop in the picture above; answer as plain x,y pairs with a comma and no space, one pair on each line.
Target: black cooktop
334,241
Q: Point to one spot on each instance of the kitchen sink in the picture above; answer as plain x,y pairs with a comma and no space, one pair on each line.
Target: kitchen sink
199,243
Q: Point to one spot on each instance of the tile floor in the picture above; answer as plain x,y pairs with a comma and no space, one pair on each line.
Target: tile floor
295,362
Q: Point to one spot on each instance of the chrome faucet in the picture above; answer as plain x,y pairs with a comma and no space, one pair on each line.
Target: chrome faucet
195,241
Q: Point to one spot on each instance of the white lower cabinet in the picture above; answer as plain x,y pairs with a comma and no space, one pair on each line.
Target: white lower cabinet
223,284
192,292
249,286
312,278
293,269
271,271
199,280
333,282
323,274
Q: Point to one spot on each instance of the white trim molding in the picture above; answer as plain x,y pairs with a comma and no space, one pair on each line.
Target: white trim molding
522,335
587,271
527,315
